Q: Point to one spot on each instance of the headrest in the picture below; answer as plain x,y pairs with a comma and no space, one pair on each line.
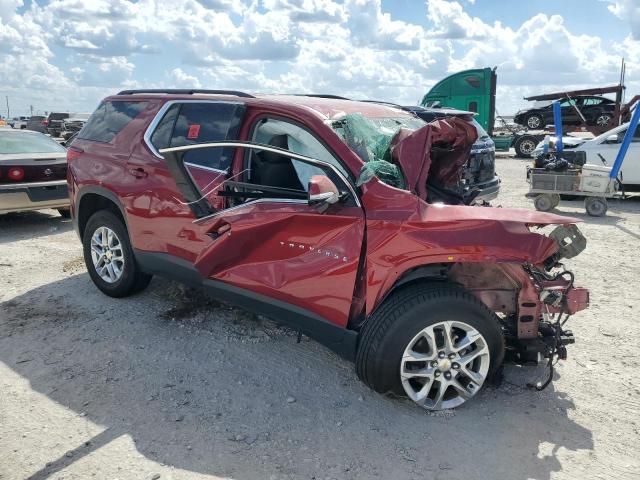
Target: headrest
279,141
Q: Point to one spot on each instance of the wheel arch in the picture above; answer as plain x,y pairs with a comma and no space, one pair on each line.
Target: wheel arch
497,285
92,199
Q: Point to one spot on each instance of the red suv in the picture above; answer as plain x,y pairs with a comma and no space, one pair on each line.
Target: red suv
278,204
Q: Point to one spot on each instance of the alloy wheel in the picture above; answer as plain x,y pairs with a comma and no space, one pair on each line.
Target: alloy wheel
533,122
603,120
107,254
444,365
527,146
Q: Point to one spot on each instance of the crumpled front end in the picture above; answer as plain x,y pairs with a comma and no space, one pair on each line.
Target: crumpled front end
534,301
497,254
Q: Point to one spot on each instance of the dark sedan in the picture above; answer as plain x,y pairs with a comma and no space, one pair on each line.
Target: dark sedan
597,111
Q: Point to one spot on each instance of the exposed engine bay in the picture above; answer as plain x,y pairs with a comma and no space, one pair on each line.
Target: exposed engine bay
533,302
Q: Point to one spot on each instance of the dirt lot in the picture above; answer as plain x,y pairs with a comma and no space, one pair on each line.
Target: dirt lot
169,384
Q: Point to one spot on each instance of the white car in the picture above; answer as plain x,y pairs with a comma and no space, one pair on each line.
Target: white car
19,123
603,150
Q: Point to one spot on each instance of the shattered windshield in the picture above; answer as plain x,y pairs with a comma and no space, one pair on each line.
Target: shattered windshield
371,138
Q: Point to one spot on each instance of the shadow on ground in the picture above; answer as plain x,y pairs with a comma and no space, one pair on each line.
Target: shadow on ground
21,225
205,388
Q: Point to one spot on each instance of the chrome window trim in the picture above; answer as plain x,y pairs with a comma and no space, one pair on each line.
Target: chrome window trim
158,117
252,202
209,169
268,148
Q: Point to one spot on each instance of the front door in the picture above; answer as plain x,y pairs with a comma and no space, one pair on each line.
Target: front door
269,242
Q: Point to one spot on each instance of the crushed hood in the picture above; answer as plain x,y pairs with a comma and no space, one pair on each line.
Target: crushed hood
434,154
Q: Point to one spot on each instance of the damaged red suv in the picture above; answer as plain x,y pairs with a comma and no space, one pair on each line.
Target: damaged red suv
337,217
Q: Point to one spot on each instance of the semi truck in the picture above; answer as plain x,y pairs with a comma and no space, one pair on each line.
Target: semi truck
475,90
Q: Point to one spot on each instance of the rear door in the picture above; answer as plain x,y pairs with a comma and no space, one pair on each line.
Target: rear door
168,221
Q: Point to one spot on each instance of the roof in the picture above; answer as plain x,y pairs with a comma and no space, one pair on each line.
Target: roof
324,107
589,92
331,108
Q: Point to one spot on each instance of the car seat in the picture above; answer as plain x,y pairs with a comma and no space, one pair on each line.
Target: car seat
274,169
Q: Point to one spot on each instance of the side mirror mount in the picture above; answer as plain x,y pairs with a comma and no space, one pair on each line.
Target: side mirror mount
322,192
615,138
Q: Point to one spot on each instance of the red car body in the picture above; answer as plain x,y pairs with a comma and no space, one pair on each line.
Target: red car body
325,272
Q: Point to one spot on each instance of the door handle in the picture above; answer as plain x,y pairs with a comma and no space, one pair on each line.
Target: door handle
218,232
138,172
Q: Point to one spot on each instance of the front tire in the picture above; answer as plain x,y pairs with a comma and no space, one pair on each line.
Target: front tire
109,257
436,344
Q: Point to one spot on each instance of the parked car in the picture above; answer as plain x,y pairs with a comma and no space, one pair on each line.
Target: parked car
266,202
18,122
36,123
596,110
33,171
73,124
53,123
479,173
603,150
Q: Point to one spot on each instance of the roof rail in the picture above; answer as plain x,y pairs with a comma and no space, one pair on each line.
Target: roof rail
321,95
188,91
380,102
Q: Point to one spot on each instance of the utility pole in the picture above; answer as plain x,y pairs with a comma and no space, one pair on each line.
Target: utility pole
8,111
31,109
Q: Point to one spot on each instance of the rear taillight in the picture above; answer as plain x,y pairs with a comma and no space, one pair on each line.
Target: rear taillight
73,153
15,173
45,122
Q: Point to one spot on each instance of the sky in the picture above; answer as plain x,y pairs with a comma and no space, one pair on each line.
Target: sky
66,55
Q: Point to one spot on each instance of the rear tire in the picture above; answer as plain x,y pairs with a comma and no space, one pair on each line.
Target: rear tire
117,274
396,327
602,119
525,145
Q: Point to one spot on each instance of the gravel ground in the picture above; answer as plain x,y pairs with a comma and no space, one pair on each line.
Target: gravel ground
170,384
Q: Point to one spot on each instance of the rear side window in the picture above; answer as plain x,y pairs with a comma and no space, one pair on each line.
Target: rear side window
191,123
109,119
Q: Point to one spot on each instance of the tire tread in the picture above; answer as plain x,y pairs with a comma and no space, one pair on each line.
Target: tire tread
393,308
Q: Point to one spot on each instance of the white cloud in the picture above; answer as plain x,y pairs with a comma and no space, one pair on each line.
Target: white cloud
71,52
181,79
629,11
